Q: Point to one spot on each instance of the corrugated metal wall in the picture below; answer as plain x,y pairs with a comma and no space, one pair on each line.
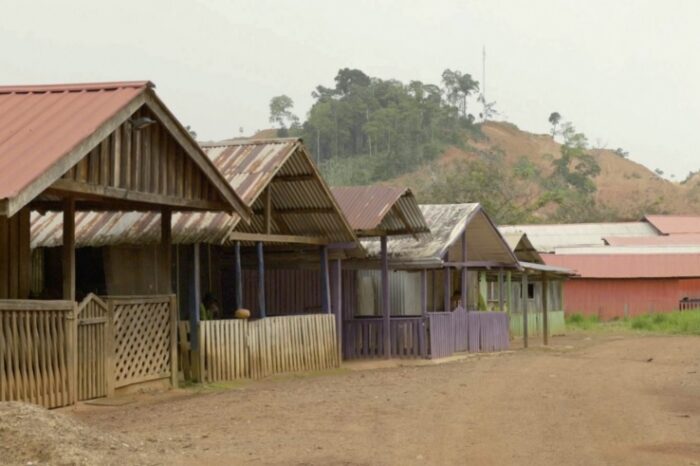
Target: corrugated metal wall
619,297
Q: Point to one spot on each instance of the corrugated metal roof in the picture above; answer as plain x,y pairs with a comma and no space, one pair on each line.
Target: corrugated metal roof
522,247
687,239
674,224
249,166
547,268
664,249
628,265
545,238
41,124
372,209
96,229
446,223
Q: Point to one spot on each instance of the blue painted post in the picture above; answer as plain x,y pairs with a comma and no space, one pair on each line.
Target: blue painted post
325,282
195,300
261,281
386,309
238,282
338,302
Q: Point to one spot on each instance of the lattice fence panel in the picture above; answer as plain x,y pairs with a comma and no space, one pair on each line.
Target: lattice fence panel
142,334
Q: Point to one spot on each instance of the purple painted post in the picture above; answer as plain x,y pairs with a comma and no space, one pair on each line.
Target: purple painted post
448,288
500,289
423,311
238,282
386,309
465,281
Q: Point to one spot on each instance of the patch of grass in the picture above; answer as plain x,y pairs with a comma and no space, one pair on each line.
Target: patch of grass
676,322
581,322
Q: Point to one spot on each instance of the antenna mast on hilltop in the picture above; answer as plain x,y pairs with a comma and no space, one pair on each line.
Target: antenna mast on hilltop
483,80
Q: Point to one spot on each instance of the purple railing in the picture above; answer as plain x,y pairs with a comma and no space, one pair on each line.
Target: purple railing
363,338
408,337
438,335
441,331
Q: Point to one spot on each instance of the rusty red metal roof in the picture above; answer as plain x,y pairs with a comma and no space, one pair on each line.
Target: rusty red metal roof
40,124
385,209
674,224
628,265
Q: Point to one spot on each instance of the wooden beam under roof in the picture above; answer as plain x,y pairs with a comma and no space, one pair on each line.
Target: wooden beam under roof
292,178
269,238
297,211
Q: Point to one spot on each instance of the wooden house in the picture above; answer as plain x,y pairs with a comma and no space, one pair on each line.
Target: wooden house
277,266
91,147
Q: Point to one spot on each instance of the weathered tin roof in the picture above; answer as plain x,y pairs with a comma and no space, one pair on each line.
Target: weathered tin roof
381,210
545,238
522,247
446,223
303,203
42,125
674,224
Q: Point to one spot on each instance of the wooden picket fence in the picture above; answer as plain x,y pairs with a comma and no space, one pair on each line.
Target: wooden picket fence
37,352
235,349
95,364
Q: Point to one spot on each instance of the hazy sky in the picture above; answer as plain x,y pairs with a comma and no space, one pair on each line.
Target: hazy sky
626,73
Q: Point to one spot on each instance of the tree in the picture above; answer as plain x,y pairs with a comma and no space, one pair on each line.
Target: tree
659,171
459,87
281,112
554,119
621,152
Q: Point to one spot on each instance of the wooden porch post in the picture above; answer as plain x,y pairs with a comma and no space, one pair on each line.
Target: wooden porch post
238,283
500,289
325,282
545,310
338,303
386,309
423,311
526,301
68,251
196,355
448,288
261,281
509,282
465,277
165,276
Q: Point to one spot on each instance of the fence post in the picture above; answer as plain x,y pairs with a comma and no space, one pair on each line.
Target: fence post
110,374
71,323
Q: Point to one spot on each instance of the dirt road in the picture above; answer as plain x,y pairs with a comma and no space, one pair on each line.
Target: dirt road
598,399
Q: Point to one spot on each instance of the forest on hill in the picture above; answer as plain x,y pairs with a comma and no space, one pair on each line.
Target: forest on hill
439,140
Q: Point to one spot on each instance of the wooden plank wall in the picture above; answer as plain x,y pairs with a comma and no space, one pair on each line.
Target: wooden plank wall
37,351
557,323
147,161
15,256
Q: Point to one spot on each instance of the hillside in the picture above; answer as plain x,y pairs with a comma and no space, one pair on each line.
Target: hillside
625,189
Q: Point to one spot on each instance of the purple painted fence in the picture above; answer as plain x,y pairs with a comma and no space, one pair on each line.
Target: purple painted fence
474,331
408,337
442,338
460,322
363,338
493,333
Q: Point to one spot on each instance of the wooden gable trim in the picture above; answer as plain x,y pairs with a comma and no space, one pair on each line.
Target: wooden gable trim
173,126
56,171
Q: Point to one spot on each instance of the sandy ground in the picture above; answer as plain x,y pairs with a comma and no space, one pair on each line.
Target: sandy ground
589,400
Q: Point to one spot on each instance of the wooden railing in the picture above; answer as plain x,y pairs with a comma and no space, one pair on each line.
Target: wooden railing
236,349
363,338
689,304
408,337
38,352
